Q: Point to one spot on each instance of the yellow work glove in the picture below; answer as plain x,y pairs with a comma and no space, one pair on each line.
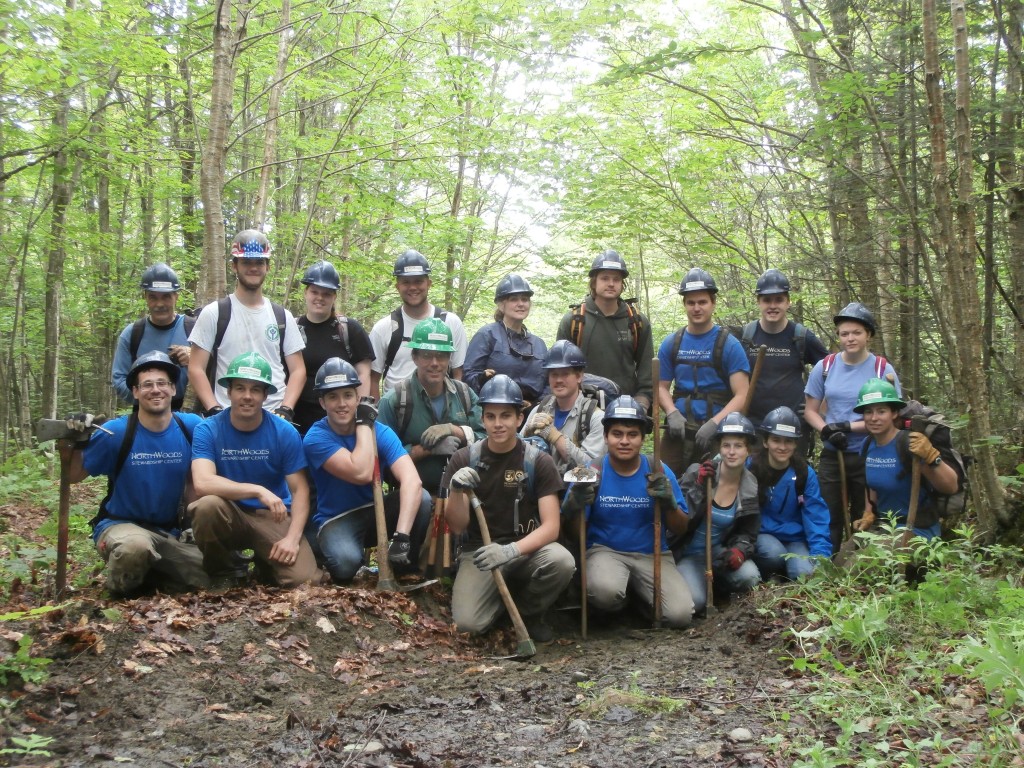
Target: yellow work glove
922,447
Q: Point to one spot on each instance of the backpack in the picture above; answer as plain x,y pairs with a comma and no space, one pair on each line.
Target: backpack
139,327
917,417
719,398
746,337
530,456
122,457
341,325
403,413
830,360
397,338
223,318
579,320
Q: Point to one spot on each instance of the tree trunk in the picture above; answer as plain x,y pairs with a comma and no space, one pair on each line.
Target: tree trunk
270,127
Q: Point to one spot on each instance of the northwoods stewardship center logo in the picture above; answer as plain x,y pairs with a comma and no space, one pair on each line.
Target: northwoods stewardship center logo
272,332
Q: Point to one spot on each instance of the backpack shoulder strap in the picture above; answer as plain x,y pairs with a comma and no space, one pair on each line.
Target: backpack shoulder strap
826,365
801,480
880,363
281,320
188,324
717,354
138,328
403,413
583,424
636,323
341,323
577,323
223,318
747,339
181,425
439,313
677,342
122,457
395,342
530,465
800,338
462,390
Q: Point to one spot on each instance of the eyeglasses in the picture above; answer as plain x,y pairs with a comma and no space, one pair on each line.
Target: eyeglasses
430,357
515,339
147,386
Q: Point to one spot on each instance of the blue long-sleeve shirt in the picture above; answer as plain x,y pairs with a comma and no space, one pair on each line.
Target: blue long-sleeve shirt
154,338
790,517
518,356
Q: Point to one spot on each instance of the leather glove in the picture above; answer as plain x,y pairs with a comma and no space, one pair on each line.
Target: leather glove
212,411
366,412
465,479
285,413
706,472
922,447
81,422
581,495
660,489
398,551
676,425
434,434
733,558
865,521
836,435
488,374
538,422
549,434
489,557
706,433
446,447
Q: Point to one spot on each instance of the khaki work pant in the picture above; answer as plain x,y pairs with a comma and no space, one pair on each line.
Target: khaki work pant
133,552
612,575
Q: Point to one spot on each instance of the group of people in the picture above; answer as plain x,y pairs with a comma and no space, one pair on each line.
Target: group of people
299,419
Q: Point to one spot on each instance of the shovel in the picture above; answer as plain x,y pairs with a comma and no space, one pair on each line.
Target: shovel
385,578
849,546
915,492
525,648
656,550
586,476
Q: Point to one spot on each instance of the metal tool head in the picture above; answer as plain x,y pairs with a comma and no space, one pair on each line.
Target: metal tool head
581,475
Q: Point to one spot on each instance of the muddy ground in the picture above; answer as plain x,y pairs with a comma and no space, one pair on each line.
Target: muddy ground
328,677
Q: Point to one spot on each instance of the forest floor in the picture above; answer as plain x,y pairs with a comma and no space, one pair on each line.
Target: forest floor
328,676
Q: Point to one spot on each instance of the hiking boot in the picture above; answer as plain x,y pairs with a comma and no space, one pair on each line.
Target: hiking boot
540,631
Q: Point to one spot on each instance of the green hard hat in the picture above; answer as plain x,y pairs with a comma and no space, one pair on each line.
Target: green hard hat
251,366
877,391
431,334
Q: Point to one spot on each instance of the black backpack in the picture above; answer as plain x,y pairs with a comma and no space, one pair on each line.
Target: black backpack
403,413
139,327
223,318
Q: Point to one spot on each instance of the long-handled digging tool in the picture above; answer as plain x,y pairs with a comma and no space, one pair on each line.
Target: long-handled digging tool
525,647
915,492
656,551
845,554
437,530
586,476
709,573
385,578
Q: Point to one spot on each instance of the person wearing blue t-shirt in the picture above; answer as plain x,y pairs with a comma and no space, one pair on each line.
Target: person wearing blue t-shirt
794,518
248,468
136,531
339,449
887,467
832,394
620,512
704,375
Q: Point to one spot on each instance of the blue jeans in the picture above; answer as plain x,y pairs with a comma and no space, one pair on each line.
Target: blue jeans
726,581
340,542
770,556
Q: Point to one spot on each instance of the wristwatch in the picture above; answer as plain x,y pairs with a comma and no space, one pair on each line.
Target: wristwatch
937,462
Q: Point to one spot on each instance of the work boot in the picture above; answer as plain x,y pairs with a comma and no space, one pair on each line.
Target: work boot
539,629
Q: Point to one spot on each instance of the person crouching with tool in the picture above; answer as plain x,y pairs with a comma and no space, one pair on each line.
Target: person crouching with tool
513,535
620,521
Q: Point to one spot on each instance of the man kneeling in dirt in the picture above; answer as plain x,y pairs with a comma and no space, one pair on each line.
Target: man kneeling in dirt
147,457
248,468
341,449
518,487
620,510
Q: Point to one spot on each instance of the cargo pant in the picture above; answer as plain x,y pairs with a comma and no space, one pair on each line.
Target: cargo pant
612,575
132,553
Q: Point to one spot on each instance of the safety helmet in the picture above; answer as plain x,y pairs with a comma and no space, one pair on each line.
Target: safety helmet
772,281
322,275
251,366
626,408
160,278
858,313
250,244
735,423
512,284
611,261
697,279
564,354
875,392
782,422
335,373
501,390
411,264
431,334
154,359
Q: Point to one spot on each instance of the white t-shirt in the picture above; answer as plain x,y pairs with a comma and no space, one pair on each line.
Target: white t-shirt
249,330
403,366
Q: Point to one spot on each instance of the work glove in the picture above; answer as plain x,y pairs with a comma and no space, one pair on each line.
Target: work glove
82,422
549,434
865,521
706,472
446,447
922,447
489,557
581,495
538,422
835,434
660,489
398,552
706,433
488,374
465,479
212,411
285,413
434,434
180,353
366,412
676,425
733,558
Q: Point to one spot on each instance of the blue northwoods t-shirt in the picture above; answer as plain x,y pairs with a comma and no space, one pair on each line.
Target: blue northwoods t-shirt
622,515
700,348
265,456
152,479
335,496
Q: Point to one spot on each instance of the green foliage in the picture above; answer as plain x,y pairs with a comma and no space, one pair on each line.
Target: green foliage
31,745
22,664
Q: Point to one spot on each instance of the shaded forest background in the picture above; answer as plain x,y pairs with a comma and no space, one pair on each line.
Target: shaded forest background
872,151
